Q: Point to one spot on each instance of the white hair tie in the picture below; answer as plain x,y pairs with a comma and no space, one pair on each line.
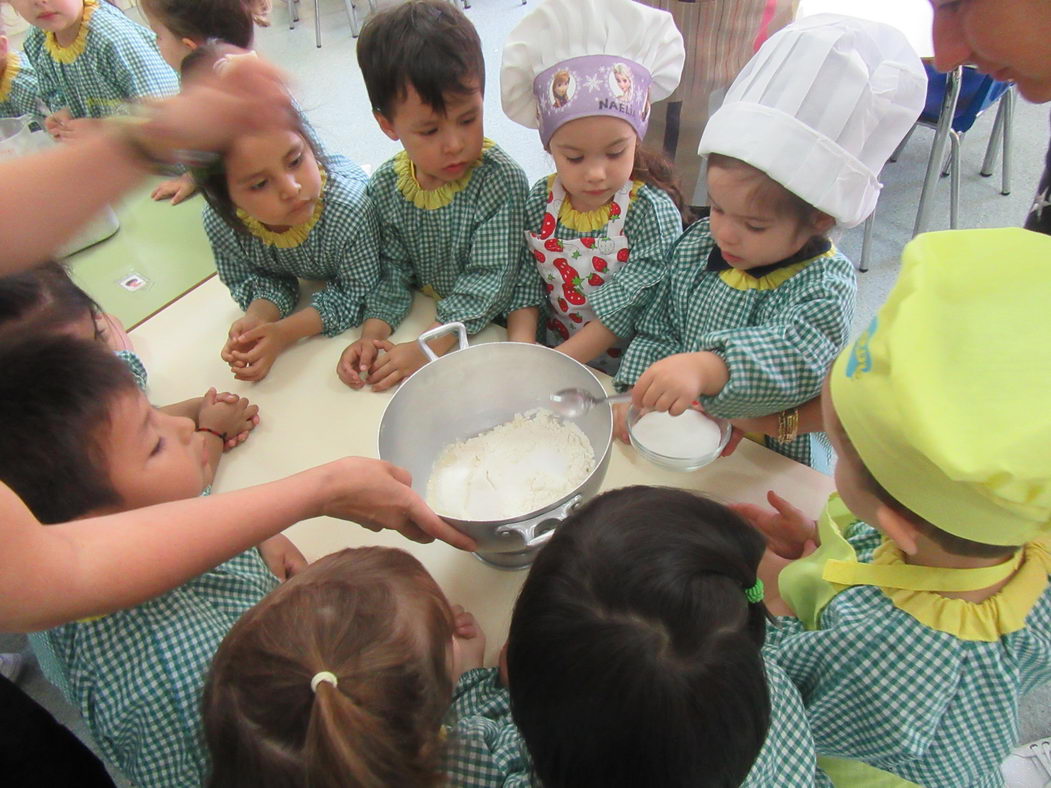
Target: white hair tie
323,675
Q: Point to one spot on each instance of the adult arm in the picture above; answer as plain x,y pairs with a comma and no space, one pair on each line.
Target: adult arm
58,573
47,197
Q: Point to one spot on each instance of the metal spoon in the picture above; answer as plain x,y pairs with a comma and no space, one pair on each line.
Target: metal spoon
574,403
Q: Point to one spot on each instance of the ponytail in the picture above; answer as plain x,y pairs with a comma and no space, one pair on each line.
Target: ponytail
653,168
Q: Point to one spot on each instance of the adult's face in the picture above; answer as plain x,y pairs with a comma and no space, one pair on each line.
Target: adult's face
1007,39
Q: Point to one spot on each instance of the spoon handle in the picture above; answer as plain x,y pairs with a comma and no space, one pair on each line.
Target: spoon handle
624,396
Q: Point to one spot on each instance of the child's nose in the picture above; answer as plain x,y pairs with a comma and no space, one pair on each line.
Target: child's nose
453,142
950,46
290,187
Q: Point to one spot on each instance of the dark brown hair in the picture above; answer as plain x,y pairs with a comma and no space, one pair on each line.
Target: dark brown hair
56,394
767,193
376,619
429,44
654,168
200,20
45,297
633,655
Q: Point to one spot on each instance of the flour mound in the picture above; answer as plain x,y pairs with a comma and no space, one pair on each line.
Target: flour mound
515,468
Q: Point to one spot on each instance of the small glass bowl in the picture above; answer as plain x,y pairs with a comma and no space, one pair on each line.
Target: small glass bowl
678,463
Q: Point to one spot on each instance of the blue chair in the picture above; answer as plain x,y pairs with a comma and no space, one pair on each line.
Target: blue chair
974,93
954,102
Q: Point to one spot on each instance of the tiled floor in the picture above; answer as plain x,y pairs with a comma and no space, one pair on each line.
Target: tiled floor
329,87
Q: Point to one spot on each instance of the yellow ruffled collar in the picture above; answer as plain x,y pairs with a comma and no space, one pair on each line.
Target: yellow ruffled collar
742,280
69,54
11,68
293,236
589,221
989,620
431,199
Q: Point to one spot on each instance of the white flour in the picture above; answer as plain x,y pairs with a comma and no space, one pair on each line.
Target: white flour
683,437
515,468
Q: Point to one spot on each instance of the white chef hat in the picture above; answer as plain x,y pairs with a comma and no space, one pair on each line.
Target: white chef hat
820,108
571,59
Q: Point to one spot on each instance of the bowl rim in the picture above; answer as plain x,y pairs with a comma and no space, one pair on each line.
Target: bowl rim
678,463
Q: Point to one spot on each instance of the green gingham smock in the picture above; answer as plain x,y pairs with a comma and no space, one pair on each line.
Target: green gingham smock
882,688
19,93
777,343
484,748
136,676
467,253
651,224
120,63
340,250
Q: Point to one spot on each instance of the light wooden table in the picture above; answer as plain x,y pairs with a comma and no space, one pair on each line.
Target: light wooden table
309,417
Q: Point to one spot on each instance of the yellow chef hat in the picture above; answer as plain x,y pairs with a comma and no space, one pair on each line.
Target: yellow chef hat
946,395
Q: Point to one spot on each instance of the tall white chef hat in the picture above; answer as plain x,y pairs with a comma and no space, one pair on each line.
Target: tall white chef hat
820,109
571,59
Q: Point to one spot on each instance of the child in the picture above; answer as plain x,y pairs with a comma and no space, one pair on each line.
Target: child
450,204
635,658
19,94
276,211
79,440
46,299
925,614
610,198
758,302
90,61
340,677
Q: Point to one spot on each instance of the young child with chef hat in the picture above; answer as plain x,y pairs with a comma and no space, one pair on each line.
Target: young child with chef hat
757,301
583,72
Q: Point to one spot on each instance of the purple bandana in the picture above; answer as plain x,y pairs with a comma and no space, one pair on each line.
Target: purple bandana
592,85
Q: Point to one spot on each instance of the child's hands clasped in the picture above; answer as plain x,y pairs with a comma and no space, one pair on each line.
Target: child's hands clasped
228,414
396,364
357,360
674,383
789,533
252,347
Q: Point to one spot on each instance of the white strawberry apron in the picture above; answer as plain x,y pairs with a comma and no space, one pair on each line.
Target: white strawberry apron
573,269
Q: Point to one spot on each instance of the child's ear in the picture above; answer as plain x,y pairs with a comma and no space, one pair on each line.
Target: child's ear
822,223
189,43
897,528
385,125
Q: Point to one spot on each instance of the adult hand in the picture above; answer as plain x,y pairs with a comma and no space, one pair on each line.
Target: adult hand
377,495
249,97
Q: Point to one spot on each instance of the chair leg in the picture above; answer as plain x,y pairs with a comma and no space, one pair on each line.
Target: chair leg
292,14
866,243
992,150
352,15
954,185
317,23
1007,101
948,109
897,151
947,163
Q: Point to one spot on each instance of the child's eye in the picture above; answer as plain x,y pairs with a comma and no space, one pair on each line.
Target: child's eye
716,208
158,448
574,159
258,186
428,132
296,161
468,121
753,228
616,154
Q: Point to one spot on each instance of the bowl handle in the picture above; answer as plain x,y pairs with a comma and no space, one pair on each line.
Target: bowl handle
442,330
527,529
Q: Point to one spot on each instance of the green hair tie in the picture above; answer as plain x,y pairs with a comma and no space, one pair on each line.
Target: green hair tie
755,593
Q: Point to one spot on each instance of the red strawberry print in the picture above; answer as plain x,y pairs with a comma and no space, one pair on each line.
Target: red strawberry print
622,255
547,226
553,245
549,286
589,243
595,280
563,305
573,295
614,352
576,318
599,264
558,328
569,273
539,256
614,209
550,196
